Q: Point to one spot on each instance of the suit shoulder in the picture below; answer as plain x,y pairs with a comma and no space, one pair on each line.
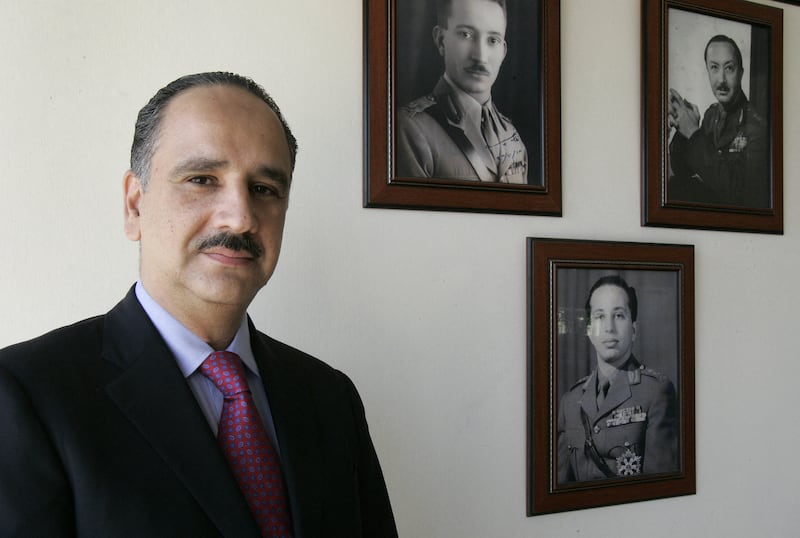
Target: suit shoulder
331,387
296,358
82,336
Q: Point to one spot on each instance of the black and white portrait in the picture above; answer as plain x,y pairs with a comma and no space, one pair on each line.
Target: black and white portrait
467,91
617,364
718,111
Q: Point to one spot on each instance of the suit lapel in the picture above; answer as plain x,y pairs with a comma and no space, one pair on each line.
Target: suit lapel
297,432
152,393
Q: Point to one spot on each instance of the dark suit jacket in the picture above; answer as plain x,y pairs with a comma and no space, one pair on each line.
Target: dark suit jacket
100,435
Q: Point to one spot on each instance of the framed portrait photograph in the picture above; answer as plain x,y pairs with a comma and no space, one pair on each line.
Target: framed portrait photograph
610,373
462,105
712,115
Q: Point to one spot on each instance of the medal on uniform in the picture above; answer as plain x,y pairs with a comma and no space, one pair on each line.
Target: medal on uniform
738,144
629,464
626,415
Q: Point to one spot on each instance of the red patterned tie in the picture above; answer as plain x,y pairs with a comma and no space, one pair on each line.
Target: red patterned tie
247,447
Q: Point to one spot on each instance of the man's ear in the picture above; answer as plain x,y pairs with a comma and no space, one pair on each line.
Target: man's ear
132,187
438,39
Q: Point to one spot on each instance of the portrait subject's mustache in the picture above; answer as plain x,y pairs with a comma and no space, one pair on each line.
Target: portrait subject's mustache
478,68
723,87
232,242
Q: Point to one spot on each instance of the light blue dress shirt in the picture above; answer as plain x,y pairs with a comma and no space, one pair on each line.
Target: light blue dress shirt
190,351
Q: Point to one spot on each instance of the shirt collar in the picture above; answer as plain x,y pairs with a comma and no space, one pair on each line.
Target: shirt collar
189,349
468,104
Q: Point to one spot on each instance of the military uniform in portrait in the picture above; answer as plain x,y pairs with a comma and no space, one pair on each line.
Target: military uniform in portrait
628,429
448,135
725,160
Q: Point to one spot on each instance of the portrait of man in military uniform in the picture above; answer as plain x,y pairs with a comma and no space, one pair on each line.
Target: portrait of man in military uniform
721,157
452,127
617,411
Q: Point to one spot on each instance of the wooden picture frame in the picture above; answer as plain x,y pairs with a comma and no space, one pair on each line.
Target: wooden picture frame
723,168
402,68
643,433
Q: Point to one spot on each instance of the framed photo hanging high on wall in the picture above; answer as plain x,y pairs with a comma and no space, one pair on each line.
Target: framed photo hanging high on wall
462,106
712,115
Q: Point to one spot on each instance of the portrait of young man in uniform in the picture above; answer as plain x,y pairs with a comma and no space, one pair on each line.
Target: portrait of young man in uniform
449,124
618,411
719,147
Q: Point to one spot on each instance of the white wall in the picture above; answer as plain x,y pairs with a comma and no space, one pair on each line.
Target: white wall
425,310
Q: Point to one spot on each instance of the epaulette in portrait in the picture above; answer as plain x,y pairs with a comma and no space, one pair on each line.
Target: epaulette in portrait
649,372
419,105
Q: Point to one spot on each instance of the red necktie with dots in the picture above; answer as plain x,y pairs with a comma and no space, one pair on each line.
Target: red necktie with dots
244,441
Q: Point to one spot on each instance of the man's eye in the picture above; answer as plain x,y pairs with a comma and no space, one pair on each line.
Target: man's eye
464,34
495,41
200,180
263,190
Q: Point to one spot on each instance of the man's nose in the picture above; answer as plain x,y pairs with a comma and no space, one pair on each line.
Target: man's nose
480,51
235,210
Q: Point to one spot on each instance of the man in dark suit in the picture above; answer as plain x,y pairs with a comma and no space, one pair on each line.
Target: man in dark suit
621,420
122,425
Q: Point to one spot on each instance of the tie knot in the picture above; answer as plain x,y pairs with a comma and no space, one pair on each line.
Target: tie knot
605,384
225,369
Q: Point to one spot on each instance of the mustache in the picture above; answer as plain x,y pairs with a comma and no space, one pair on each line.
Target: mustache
723,86
233,242
479,68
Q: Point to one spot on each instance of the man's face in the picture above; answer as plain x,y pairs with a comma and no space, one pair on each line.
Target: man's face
724,72
612,330
473,45
221,167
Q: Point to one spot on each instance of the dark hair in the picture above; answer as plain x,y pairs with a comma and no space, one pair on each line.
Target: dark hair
613,280
719,38
443,10
146,132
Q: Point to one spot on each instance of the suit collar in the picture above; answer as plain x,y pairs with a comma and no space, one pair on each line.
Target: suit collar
152,393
